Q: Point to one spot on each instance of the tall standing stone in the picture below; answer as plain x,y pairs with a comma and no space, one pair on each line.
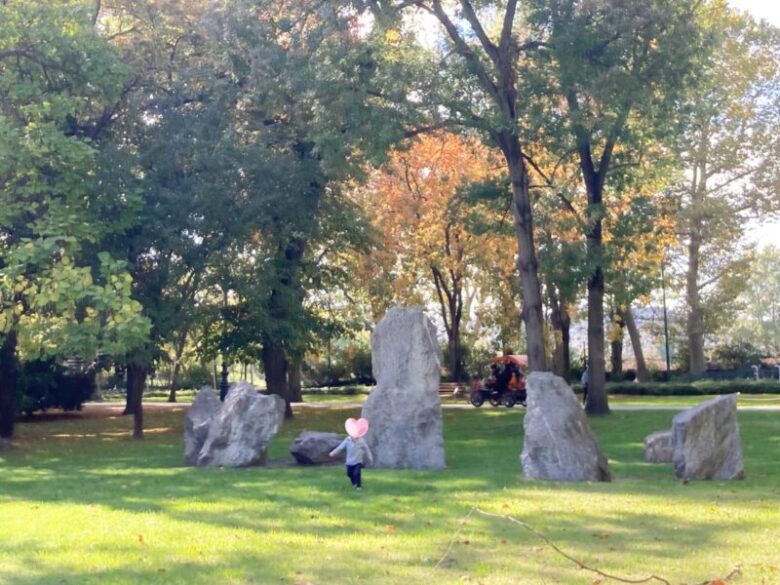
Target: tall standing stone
239,434
559,444
197,422
706,441
404,410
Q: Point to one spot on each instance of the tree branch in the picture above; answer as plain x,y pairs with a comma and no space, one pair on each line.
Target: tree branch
476,26
465,51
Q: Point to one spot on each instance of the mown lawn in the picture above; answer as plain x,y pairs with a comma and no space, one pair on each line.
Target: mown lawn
81,503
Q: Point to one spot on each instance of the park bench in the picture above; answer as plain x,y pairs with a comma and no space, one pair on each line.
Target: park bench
450,388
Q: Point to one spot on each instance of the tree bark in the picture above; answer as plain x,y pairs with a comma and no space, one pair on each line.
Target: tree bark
136,380
561,324
596,403
527,264
8,376
177,364
131,401
695,311
450,296
294,381
275,365
636,343
616,347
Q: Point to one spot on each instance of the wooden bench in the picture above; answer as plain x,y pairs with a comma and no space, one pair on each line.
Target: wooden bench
449,389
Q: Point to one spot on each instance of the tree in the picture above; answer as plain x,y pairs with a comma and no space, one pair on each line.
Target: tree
613,70
759,320
728,145
474,83
426,246
305,114
60,294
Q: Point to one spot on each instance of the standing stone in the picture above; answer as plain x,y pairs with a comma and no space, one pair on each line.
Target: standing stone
239,433
313,447
706,440
196,424
404,409
559,444
659,447
5,445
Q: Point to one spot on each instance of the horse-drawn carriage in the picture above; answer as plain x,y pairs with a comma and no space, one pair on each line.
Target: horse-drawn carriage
505,384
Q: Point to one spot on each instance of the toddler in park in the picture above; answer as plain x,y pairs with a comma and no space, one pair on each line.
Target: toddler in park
358,453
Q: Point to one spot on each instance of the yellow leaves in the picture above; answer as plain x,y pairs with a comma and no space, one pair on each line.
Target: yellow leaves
413,203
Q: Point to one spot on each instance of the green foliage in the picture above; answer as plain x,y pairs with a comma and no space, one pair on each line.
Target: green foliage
347,360
737,354
58,77
45,384
759,319
698,388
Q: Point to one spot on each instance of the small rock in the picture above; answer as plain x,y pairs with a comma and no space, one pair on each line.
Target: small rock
197,421
658,447
312,447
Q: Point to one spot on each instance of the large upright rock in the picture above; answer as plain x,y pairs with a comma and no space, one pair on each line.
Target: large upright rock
706,441
559,443
404,410
197,422
239,434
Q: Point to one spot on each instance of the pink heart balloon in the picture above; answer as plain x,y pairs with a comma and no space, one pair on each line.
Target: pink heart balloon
356,428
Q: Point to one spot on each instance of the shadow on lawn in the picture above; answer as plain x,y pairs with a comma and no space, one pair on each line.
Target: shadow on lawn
484,471
133,565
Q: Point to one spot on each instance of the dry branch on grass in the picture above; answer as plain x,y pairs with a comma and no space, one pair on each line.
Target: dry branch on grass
582,565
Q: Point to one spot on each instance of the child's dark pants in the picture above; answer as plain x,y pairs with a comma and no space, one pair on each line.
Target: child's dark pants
353,472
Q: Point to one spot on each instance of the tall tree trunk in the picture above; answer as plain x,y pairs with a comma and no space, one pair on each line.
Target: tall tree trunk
8,384
179,350
695,311
527,264
561,324
597,390
131,401
294,381
136,380
636,343
275,365
616,346
450,294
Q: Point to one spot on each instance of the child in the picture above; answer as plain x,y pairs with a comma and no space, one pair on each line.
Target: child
358,453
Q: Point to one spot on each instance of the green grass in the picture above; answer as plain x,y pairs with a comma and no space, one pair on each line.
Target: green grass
81,503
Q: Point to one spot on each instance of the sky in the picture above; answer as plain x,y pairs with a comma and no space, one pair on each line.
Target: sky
764,232
767,9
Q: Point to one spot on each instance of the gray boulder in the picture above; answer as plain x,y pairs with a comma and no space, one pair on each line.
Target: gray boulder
239,434
559,444
658,447
404,409
312,447
197,422
706,441
5,445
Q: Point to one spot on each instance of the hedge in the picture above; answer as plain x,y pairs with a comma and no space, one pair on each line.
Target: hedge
702,387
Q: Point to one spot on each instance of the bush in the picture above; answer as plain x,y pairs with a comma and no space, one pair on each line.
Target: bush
337,391
699,388
44,384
